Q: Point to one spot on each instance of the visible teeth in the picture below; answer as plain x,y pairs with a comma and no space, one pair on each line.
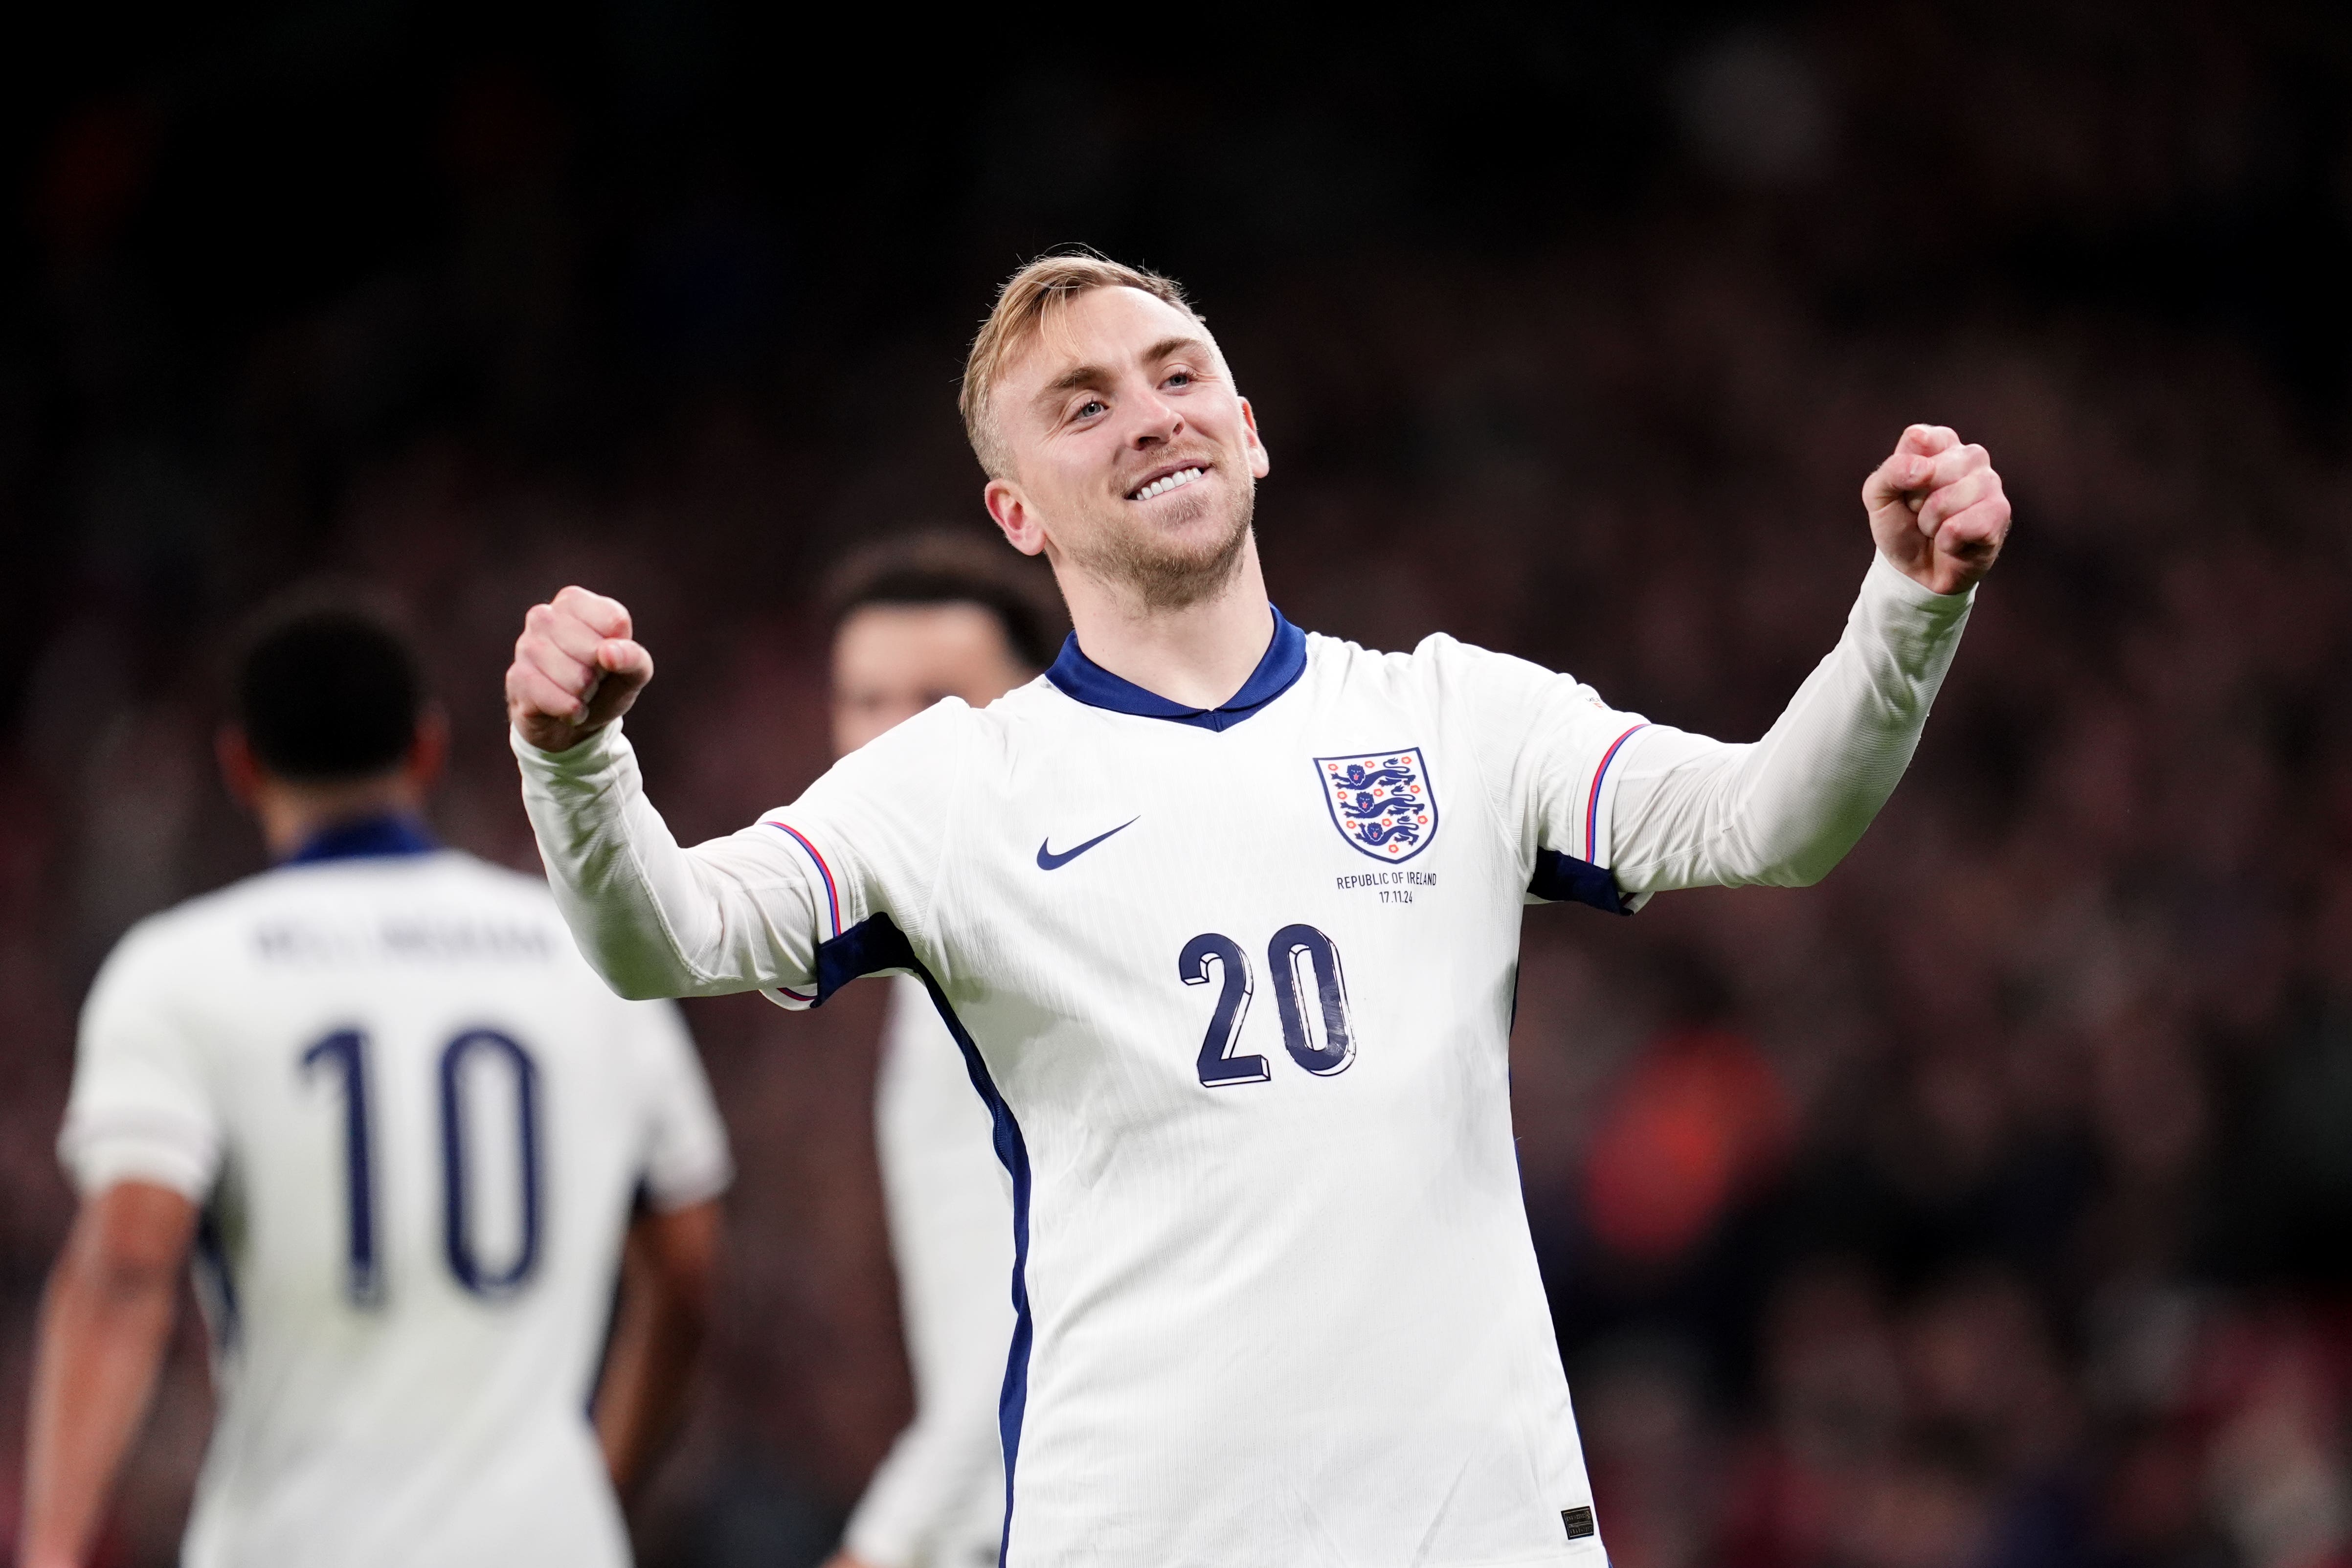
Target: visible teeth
1176,480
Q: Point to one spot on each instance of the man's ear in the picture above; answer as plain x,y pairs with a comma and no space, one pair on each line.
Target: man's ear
240,769
1011,511
1261,460
429,752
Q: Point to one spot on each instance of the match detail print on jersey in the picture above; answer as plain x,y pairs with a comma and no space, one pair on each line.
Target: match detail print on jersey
1381,802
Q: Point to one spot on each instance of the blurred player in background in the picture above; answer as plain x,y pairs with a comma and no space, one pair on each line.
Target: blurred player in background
916,620
1276,1300
405,1129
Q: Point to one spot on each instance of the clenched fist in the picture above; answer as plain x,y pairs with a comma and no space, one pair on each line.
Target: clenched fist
575,670
1936,510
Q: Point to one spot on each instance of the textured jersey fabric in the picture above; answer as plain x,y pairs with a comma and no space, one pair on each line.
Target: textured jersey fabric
1236,985
417,1122
937,1499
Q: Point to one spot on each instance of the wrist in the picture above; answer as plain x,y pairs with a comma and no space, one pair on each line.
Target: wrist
1919,580
587,750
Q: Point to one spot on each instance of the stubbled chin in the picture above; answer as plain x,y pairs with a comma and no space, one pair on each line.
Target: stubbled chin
1175,550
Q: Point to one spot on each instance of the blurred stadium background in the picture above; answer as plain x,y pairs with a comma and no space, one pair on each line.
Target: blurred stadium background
1986,1206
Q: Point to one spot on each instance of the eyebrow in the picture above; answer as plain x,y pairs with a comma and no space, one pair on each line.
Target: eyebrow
1097,375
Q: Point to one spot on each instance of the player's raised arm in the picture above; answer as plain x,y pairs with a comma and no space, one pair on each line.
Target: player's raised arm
654,919
1692,812
752,910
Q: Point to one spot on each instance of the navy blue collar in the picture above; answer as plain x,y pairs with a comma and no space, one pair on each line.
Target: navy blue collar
365,838
1285,661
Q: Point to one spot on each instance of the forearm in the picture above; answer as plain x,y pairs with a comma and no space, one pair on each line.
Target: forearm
655,919
1691,812
102,1337
665,1313
643,1397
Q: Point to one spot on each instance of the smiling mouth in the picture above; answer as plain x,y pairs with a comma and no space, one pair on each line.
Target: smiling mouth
1166,482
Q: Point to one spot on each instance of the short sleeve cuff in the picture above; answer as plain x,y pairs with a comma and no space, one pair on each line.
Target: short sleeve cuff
877,1536
682,1186
100,1152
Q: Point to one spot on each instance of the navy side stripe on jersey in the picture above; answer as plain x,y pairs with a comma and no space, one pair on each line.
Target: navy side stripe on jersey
871,946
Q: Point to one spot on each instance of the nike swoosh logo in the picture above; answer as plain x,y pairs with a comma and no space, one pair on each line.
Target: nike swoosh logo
1049,861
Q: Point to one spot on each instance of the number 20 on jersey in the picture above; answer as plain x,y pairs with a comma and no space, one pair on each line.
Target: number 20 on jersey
1324,1042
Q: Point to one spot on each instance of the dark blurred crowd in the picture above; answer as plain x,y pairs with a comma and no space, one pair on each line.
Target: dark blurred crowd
1986,1206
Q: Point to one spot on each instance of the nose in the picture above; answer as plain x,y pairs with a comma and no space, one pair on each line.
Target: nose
1157,421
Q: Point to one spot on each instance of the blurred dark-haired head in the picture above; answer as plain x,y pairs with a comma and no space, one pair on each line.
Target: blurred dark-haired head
940,566
327,691
932,616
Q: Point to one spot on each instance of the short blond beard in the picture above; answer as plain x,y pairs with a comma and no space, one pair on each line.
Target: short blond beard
1160,580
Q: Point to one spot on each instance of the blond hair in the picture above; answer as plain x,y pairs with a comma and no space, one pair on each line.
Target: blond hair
1041,289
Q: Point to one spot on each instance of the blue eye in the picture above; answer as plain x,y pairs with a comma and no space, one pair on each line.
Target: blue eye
1090,407
1181,378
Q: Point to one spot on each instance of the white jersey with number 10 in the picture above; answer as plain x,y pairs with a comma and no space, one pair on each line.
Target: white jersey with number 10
417,1122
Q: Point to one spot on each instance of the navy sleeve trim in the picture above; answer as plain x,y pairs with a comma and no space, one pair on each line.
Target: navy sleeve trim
1563,879
870,947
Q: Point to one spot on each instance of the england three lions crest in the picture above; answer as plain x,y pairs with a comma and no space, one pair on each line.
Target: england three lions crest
1381,802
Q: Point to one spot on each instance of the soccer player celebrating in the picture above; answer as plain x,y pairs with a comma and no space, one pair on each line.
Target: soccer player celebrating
1275,1297
404,1127
916,620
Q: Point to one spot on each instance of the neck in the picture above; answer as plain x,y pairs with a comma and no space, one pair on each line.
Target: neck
292,814
1198,654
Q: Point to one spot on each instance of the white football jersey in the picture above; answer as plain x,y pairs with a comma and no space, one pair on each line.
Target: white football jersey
1236,985
937,1499
417,1123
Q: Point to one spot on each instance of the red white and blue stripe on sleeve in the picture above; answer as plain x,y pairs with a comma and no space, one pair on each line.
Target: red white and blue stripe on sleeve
829,911
1592,801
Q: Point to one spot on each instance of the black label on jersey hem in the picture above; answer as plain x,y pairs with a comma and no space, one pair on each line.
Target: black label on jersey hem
1579,1522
